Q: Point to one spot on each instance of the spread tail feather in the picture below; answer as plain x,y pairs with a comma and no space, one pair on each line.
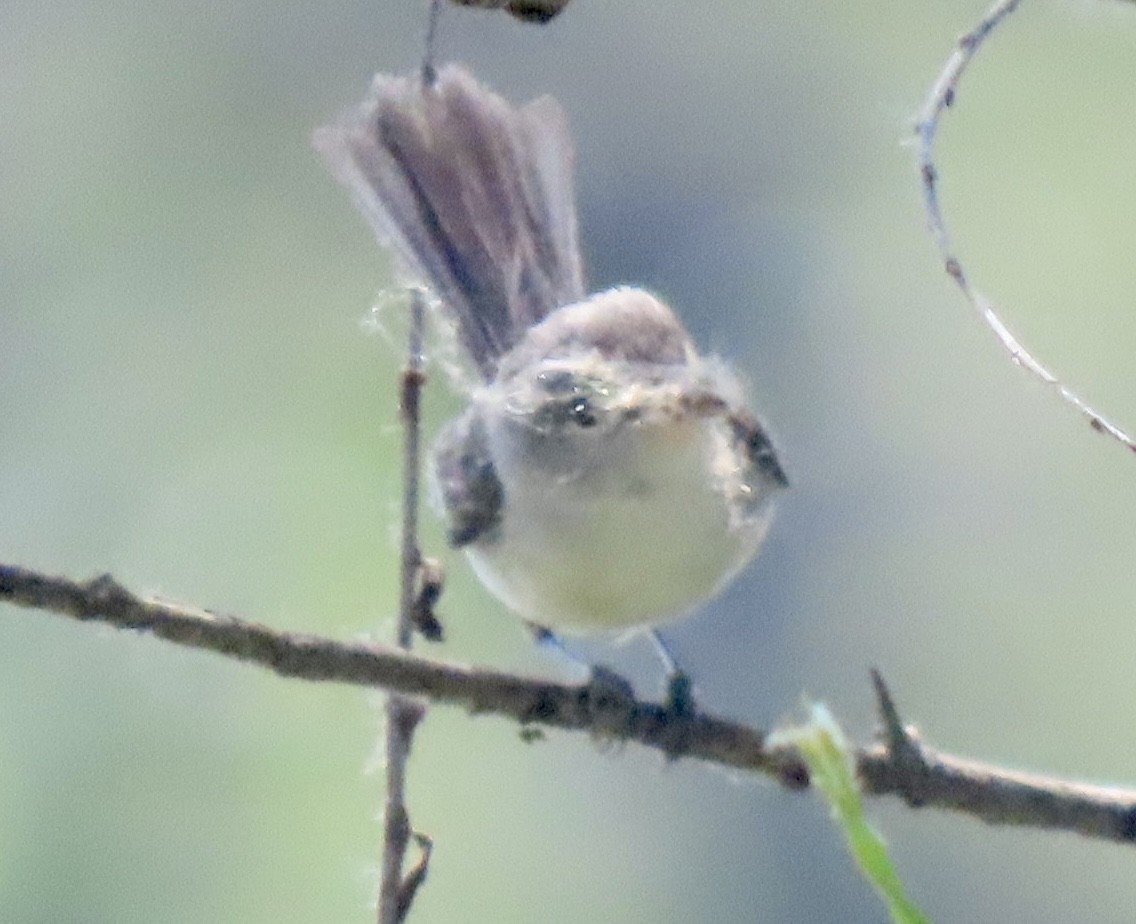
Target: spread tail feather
474,196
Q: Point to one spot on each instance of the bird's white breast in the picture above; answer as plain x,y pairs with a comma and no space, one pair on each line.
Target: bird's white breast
636,527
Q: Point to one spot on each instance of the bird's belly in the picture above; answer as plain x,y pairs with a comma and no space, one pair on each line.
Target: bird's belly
642,539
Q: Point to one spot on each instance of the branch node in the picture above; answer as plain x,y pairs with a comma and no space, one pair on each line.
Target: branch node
608,701
104,594
429,581
542,706
903,747
406,714
414,879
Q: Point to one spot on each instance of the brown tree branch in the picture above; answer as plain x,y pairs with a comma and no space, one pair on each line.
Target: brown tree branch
604,707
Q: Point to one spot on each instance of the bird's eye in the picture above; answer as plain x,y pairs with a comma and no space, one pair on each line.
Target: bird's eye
582,412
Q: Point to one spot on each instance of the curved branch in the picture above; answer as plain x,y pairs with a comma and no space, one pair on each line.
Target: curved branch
605,707
941,97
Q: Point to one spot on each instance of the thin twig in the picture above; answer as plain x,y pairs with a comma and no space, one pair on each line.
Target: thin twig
942,96
428,72
416,876
410,398
403,715
900,739
993,794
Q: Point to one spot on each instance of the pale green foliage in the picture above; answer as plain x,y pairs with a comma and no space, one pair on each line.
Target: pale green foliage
825,749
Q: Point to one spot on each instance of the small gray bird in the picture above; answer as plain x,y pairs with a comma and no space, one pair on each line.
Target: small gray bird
604,476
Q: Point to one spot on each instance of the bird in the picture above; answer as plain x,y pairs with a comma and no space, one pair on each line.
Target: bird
605,476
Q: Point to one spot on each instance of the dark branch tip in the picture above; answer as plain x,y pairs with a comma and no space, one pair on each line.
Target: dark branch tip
413,880
900,739
904,751
104,594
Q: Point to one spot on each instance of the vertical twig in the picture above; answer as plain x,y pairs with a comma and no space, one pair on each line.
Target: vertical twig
428,71
409,409
403,714
396,893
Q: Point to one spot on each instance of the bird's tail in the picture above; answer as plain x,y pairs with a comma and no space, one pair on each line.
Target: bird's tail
474,196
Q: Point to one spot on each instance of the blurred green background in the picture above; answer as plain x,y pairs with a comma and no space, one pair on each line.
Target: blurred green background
190,402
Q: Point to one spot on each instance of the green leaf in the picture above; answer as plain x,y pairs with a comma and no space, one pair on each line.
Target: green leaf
825,749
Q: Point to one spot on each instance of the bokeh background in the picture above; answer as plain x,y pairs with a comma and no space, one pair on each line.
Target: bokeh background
189,400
